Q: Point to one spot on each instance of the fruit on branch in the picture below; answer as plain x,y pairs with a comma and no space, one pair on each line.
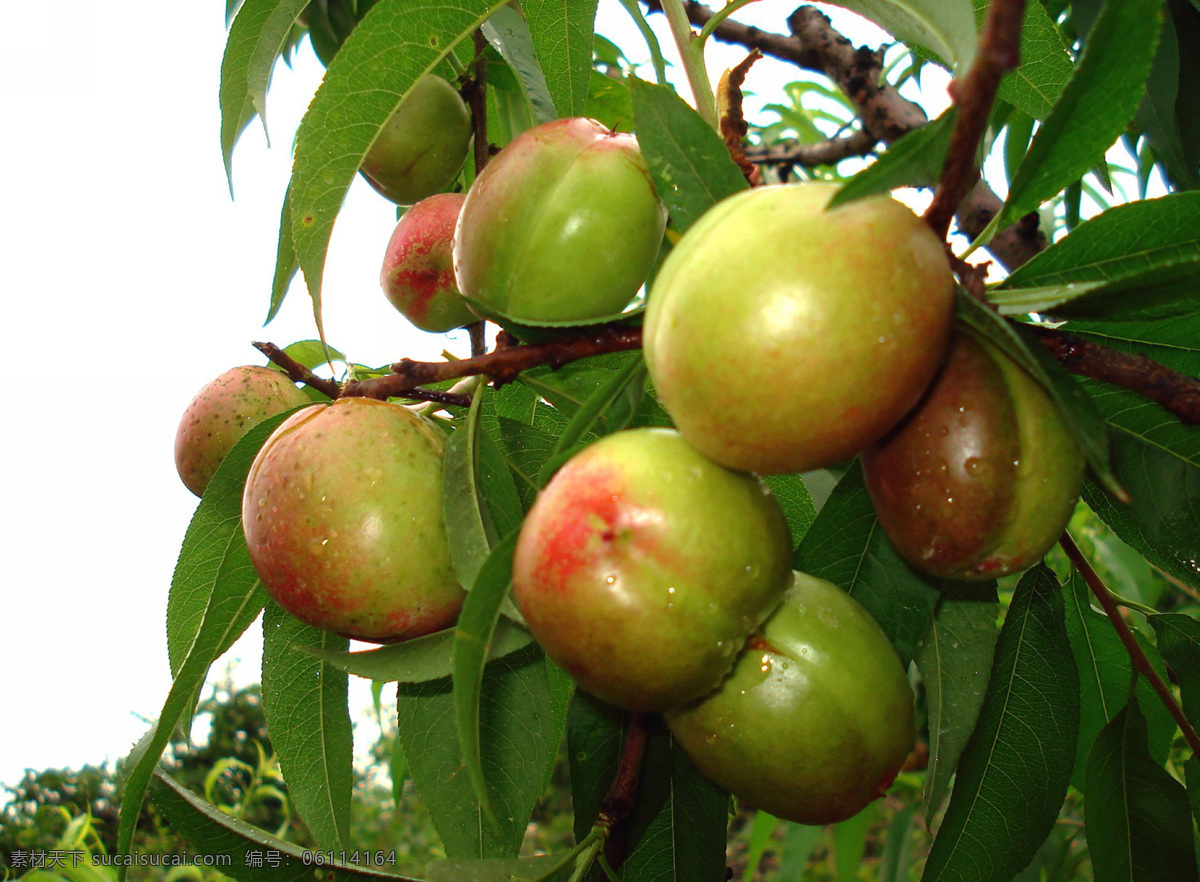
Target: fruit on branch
222,412
418,266
343,518
783,337
420,150
981,479
642,567
816,718
562,225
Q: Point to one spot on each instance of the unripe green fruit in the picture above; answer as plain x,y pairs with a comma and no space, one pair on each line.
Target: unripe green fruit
642,567
816,718
784,337
421,149
343,519
222,412
982,478
562,225
418,266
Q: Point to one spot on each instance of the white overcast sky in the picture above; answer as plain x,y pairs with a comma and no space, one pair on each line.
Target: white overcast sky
130,279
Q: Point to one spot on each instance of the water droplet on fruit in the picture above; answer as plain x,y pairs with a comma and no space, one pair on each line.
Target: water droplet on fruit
973,464
671,590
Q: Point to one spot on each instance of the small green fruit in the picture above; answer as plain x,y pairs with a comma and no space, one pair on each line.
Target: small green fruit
784,337
421,149
982,478
222,412
816,718
343,519
642,567
563,225
418,266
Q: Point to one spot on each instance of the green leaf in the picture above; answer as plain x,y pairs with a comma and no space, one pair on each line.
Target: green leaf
1014,772
690,164
1076,407
761,828
537,869
418,660
1138,821
1093,109
469,529
570,387
609,102
1157,115
1045,67
472,640
562,39
914,160
850,842
1104,676
595,739
364,84
846,546
305,703
252,852
944,27
1179,643
793,497
256,37
798,843
497,486
509,35
286,262
897,853
517,739
954,658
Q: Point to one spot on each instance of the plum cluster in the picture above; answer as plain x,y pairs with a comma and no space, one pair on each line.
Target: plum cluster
781,335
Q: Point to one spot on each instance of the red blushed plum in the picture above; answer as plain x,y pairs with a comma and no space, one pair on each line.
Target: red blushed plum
420,150
816,718
981,479
222,412
563,225
418,266
827,325
343,518
642,567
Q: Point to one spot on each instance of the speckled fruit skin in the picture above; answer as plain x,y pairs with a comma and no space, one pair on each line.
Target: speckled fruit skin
825,326
562,225
421,149
343,518
642,567
418,266
222,412
982,478
816,718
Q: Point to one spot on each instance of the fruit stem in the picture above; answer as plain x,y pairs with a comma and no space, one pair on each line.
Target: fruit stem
618,802
1140,662
691,53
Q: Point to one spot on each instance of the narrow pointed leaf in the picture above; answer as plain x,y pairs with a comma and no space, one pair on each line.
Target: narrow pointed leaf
793,497
1014,772
256,37
469,529
1045,66
1093,109
305,703
944,27
689,162
914,160
509,35
395,44
286,262
538,869
595,736
1179,643
955,658
562,39
1139,826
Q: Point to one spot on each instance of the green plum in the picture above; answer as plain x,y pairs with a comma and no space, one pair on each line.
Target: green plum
642,567
816,718
982,478
563,225
783,336
222,412
420,150
343,519
418,266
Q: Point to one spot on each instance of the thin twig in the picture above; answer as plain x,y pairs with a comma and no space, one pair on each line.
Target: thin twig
974,97
622,793
1140,662
829,152
298,372
477,101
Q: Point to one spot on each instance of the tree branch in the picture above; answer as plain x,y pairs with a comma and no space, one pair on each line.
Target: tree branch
996,56
1140,662
476,94
619,800
857,143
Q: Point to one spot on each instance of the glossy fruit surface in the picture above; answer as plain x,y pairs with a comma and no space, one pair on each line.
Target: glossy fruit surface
222,412
418,266
816,718
642,567
343,518
982,478
562,225
421,149
824,326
